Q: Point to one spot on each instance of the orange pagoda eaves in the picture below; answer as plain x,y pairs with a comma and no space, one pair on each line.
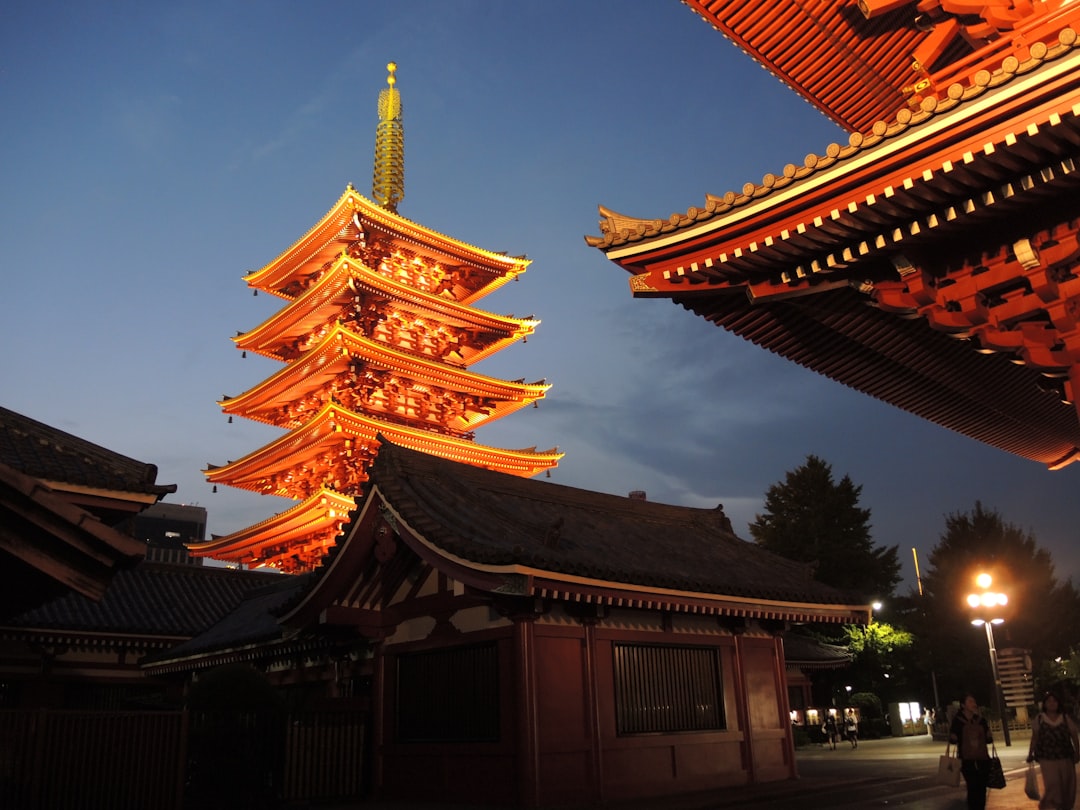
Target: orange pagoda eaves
316,521
338,445
469,334
367,375
861,62
470,272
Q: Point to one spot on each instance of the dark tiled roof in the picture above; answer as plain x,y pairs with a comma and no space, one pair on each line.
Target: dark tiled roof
490,518
52,546
52,455
151,599
252,621
808,653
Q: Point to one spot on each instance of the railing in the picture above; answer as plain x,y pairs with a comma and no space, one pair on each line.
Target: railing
115,760
77,759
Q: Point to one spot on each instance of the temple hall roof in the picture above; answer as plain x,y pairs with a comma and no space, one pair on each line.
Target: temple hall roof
906,264
504,523
861,61
58,457
152,599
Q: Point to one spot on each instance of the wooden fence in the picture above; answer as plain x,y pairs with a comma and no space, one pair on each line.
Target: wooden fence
85,760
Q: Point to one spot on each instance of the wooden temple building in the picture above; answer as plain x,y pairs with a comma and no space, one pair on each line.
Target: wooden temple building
931,260
67,509
376,337
522,643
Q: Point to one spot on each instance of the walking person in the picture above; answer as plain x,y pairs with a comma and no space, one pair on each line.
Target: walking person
851,726
1056,747
831,731
970,733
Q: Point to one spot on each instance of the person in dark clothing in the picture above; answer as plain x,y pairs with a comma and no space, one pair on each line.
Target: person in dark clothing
831,730
970,733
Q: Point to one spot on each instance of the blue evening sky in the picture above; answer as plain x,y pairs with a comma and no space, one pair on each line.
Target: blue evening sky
154,153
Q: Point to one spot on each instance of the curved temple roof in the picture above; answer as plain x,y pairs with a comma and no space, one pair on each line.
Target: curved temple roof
858,264
544,539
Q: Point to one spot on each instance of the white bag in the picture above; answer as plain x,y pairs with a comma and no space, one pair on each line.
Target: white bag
948,769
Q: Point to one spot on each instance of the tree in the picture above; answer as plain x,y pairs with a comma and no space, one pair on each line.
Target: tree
811,519
1042,615
880,657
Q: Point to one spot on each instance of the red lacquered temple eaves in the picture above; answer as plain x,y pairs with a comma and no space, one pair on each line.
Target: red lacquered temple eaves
931,261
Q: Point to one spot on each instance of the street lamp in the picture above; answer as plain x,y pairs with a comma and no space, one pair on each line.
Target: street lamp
988,604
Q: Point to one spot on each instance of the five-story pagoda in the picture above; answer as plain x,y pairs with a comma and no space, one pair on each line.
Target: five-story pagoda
376,338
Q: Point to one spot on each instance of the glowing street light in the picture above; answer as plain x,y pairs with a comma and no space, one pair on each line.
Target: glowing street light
988,607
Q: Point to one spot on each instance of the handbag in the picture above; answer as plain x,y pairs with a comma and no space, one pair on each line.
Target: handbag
948,769
995,779
1031,783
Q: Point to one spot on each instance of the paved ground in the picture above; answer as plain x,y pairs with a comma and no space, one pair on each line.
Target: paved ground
879,774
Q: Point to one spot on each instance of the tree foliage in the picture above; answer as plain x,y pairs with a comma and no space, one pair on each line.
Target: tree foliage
811,519
1042,615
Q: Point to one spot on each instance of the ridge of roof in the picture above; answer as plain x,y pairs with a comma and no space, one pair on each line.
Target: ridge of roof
620,229
494,520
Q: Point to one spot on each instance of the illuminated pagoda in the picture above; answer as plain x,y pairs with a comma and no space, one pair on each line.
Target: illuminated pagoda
376,338
931,261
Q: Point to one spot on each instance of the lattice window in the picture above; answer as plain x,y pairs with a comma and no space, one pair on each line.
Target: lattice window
664,689
448,695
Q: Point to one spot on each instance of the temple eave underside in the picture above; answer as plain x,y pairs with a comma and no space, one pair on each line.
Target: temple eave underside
932,264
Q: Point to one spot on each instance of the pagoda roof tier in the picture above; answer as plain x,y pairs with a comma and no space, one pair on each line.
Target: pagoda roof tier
482,333
337,431
355,219
863,62
308,528
342,354
926,263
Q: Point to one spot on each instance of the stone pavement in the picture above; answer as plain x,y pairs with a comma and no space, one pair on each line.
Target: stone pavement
820,786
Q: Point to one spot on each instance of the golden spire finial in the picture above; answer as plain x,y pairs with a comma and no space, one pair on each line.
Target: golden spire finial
388,182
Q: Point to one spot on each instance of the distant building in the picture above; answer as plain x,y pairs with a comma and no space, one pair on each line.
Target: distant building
167,527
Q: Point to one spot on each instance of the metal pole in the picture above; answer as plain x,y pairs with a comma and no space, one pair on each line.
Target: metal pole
997,683
933,674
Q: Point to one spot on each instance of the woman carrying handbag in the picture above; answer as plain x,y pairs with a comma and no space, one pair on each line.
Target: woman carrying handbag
970,733
1055,746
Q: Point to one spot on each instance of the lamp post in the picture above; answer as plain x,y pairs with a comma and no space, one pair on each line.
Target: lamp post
988,605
